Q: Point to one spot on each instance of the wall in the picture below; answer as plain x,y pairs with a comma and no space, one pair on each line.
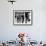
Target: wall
37,31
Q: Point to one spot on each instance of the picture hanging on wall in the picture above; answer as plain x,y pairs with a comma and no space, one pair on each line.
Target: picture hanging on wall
22,17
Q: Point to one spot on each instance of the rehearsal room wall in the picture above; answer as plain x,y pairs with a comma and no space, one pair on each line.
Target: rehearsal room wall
37,31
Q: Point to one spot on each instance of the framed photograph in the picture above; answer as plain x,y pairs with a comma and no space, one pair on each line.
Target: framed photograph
22,17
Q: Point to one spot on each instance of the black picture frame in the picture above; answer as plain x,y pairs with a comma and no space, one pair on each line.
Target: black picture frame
14,22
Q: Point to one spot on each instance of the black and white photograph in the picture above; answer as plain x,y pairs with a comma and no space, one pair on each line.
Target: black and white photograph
22,16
